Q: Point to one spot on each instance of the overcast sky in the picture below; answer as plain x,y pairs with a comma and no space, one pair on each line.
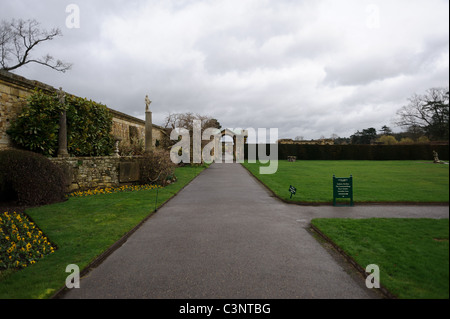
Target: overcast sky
309,68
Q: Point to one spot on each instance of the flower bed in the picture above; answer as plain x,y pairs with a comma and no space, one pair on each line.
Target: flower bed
22,243
110,190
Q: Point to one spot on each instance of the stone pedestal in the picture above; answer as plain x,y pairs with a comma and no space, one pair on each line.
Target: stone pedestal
62,138
148,132
436,158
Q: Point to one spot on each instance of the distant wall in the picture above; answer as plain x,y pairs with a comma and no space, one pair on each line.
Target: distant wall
15,89
126,127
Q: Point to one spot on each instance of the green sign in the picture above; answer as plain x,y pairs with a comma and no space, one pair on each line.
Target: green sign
342,189
292,190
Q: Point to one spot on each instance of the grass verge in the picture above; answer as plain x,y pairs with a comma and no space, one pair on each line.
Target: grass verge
412,254
373,181
83,228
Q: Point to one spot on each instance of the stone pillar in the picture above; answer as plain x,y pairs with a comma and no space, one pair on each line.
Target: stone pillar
62,138
148,126
234,148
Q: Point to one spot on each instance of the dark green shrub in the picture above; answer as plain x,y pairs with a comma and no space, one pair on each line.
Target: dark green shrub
36,128
89,126
30,178
156,167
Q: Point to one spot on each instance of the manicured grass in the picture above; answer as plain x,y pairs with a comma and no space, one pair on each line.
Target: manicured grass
373,181
83,228
412,254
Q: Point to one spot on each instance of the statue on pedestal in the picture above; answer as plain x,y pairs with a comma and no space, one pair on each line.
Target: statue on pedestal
147,103
436,157
148,126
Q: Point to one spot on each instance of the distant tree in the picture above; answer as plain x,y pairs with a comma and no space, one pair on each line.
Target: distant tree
18,38
428,112
186,121
406,140
299,138
386,130
423,140
210,122
367,136
342,141
414,132
334,136
387,140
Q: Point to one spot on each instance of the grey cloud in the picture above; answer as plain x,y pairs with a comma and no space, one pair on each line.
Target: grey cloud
299,66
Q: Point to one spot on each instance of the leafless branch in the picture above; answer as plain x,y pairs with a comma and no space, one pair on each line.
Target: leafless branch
19,37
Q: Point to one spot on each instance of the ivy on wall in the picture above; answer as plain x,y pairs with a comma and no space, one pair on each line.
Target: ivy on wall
89,126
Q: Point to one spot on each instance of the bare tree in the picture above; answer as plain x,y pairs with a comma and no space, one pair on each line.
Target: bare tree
19,37
428,112
186,121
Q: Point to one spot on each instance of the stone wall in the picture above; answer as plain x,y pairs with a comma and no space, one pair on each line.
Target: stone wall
125,127
14,91
98,172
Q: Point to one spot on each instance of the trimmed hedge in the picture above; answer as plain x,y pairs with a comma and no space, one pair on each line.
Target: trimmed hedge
89,126
30,179
359,152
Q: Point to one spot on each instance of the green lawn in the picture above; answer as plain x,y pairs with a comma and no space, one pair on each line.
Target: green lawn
83,228
373,181
412,254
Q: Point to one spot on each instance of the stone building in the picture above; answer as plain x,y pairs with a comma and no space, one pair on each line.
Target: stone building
15,89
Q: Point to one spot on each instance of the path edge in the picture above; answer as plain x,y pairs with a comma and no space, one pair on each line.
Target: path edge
360,269
100,258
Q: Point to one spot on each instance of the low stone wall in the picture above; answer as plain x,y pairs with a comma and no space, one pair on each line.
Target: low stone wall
84,173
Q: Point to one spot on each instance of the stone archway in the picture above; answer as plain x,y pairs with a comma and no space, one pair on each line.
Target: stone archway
239,137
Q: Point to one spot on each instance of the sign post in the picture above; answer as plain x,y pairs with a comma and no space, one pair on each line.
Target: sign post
292,190
342,188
